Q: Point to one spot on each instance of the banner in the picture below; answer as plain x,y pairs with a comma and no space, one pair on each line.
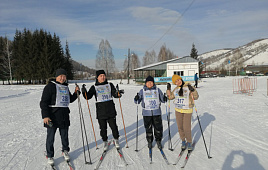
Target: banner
169,79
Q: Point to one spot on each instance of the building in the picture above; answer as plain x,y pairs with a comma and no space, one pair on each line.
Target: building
186,67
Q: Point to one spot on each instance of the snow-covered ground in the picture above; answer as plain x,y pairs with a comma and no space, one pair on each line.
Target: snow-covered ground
235,130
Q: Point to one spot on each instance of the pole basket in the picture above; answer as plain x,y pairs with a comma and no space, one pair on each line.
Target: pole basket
245,85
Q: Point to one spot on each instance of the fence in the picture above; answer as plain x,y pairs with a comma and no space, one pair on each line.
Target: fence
245,85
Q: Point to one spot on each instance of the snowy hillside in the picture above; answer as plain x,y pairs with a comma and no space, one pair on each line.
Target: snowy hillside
235,129
253,53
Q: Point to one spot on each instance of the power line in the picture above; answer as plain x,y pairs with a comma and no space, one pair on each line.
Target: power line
172,25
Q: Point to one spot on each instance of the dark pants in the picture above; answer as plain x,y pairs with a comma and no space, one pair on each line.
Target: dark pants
103,128
51,138
196,83
149,123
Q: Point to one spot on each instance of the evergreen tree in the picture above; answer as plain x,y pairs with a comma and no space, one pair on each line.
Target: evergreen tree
194,52
68,66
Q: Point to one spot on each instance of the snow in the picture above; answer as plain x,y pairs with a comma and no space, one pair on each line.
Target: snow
234,125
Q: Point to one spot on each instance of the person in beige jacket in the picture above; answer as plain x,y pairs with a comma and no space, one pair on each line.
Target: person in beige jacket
183,96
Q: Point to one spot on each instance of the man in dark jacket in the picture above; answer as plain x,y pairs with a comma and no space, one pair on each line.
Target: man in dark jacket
105,107
55,112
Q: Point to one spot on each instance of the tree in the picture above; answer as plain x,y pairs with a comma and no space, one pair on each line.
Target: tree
133,63
149,58
105,57
5,59
68,66
165,54
194,52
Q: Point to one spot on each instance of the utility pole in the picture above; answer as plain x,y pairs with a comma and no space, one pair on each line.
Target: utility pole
128,56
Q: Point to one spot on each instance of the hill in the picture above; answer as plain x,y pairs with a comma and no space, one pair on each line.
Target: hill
253,53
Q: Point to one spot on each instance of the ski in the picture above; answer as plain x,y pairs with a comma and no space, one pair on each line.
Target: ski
164,156
102,156
69,164
150,155
179,157
121,155
186,158
52,166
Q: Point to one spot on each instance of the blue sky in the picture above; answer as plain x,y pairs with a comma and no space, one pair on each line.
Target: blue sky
139,25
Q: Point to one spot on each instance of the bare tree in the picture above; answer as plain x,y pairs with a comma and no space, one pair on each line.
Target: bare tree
149,58
133,63
105,57
165,54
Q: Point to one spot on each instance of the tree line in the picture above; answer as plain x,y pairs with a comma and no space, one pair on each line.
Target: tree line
33,57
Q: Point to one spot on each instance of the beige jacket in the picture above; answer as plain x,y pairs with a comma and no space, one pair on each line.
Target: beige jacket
191,102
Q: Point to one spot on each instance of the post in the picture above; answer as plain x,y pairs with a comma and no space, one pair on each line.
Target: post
128,56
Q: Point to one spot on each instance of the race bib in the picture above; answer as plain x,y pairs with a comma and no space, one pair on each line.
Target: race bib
182,102
62,96
103,93
151,99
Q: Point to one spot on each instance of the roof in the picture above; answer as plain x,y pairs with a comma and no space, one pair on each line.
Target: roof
163,64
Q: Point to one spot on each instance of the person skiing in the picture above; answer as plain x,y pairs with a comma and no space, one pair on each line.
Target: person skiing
55,113
196,80
150,98
105,107
183,94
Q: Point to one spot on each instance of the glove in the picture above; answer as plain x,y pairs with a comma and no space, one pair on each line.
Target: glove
137,97
121,92
190,87
84,90
165,98
168,86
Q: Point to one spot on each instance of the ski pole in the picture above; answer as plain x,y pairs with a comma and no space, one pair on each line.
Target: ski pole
82,122
200,127
169,136
91,119
137,129
169,124
122,114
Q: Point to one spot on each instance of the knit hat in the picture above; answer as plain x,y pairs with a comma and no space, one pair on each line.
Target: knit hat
60,71
149,78
175,77
99,72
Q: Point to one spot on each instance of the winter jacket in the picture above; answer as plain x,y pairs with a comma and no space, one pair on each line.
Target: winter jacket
104,110
58,115
191,102
141,99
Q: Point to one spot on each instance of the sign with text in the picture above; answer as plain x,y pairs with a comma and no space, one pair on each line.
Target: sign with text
169,79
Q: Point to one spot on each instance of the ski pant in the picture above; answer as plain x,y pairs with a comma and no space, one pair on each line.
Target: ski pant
155,122
51,138
103,128
184,125
196,83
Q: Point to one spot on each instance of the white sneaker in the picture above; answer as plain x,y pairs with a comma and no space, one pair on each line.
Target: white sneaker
116,143
50,161
105,145
66,155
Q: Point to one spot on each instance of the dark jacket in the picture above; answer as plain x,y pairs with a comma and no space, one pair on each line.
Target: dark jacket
104,110
58,115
